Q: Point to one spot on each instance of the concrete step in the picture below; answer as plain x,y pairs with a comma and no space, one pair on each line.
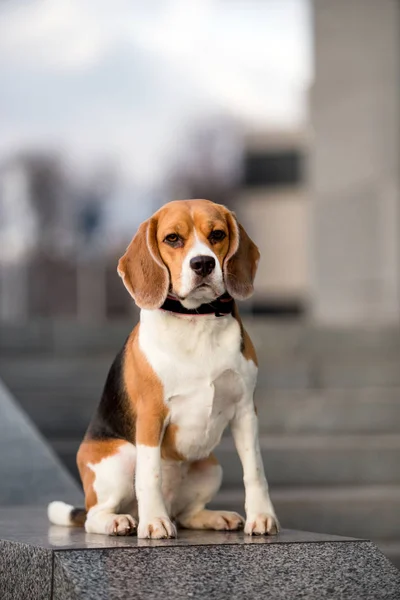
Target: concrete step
342,411
294,373
60,396
391,549
64,337
272,338
320,460
350,372
275,338
284,400
64,406
370,512
300,461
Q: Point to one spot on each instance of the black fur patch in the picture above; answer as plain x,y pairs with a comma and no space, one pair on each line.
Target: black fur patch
113,418
78,516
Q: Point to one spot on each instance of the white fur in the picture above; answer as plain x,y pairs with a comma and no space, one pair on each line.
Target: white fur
113,485
153,515
199,363
207,384
192,298
245,432
59,513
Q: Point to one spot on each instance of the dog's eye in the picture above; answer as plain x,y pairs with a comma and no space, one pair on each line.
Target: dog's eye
173,239
217,236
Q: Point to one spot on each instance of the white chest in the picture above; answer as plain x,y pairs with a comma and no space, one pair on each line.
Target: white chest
202,371
202,414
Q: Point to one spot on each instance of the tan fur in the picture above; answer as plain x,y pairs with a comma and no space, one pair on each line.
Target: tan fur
150,265
240,265
184,218
204,464
92,452
168,446
143,272
145,393
147,401
247,349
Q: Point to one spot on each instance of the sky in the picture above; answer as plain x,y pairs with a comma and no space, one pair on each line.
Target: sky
124,80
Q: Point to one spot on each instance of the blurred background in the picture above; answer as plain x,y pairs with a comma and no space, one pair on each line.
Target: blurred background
288,112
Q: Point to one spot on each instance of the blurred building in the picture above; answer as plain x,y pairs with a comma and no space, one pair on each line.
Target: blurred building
355,162
54,261
273,203
322,202
324,205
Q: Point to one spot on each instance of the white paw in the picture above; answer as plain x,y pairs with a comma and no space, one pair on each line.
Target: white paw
156,528
261,524
121,525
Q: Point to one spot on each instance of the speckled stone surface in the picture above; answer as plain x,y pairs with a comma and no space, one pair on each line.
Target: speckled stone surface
25,572
351,570
39,561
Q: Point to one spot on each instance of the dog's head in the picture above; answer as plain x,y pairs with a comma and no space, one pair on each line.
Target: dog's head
194,249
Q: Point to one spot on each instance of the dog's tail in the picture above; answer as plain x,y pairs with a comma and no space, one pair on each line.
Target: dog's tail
60,513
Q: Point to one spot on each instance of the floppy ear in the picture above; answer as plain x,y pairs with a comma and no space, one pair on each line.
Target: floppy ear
241,262
143,272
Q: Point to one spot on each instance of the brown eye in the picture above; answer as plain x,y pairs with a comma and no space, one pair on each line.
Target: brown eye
217,236
173,239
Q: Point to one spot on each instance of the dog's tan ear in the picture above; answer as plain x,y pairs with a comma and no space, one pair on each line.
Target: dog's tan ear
143,272
241,262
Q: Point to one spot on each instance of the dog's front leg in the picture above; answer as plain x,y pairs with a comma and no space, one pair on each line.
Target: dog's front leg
260,514
154,521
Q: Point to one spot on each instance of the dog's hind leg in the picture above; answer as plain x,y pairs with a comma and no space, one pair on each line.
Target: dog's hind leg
200,485
107,469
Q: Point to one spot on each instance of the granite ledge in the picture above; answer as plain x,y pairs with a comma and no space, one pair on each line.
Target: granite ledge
44,562
31,526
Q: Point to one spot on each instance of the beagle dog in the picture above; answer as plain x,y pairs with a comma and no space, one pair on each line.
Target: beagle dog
187,370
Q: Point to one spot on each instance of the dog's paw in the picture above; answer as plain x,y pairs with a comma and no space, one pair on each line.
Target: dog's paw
261,524
156,528
224,520
219,520
122,525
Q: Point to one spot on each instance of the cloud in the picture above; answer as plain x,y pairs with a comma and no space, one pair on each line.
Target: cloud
125,78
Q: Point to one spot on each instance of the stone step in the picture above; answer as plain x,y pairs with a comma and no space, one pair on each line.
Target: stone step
66,410
391,549
320,459
370,512
342,411
298,461
298,373
275,338
68,563
352,372
60,396
272,338
63,337
74,386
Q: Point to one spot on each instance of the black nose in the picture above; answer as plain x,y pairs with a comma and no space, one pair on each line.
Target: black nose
202,265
